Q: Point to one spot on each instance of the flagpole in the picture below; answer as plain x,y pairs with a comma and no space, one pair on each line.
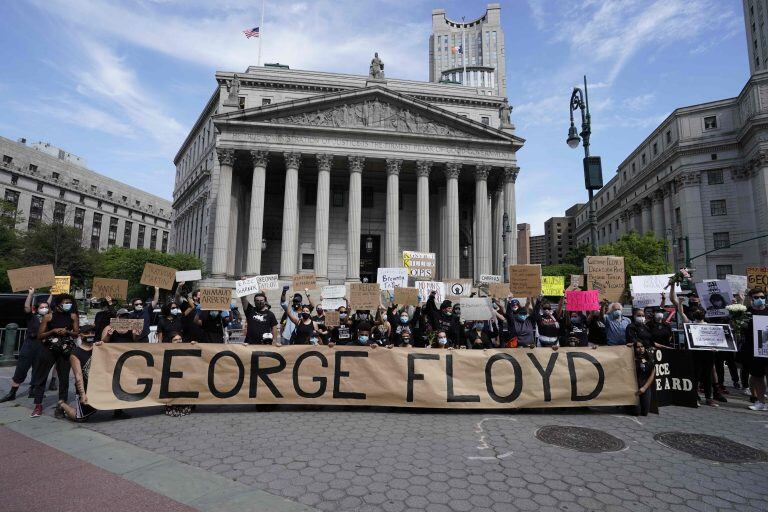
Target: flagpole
464,53
261,31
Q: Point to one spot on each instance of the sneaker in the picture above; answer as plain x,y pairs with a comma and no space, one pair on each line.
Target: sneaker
37,411
720,398
711,403
759,406
747,391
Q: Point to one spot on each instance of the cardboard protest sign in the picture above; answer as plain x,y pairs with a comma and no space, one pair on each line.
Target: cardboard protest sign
215,299
715,295
577,280
188,275
760,335
757,277
334,291
710,336
389,278
209,373
333,303
490,278
304,281
498,290
738,283
458,288
674,378
552,286
364,296
331,319
103,287
426,287
406,296
476,309
40,276
525,280
606,274
158,275
62,285
582,300
647,290
420,265
251,285
127,324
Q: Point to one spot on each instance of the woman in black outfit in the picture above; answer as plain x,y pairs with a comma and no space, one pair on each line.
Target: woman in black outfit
80,359
58,330
646,373
169,323
110,335
305,326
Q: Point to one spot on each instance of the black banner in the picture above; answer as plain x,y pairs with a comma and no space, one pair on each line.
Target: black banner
674,378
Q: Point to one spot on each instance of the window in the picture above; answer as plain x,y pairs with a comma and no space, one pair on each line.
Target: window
79,218
153,239
109,193
138,203
112,235
723,270
35,211
485,120
721,240
32,168
241,102
710,122
39,186
114,209
307,261
717,207
94,188
310,196
125,198
140,241
96,231
82,199
633,167
7,159
642,158
669,136
713,156
62,193
75,181
655,149
12,203
55,175
99,204
265,101
127,232
165,242
14,179
367,198
338,199
59,213
715,177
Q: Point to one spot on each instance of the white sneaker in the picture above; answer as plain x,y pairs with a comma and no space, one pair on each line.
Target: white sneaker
747,392
759,406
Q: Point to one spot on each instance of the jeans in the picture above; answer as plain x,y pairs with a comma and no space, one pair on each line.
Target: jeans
28,354
47,360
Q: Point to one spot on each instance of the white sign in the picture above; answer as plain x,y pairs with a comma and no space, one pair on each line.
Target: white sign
490,278
334,303
389,278
333,291
646,290
476,309
427,287
188,275
251,285
709,337
760,335
738,283
459,287
715,295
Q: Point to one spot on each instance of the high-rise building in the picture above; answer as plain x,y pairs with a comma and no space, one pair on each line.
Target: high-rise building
756,23
523,244
560,235
469,52
538,250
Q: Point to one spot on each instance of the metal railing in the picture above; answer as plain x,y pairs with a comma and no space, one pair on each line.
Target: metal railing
10,341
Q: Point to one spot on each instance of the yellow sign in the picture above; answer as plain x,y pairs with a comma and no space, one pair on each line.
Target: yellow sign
62,285
552,286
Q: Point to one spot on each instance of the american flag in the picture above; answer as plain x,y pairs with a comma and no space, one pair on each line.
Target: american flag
251,32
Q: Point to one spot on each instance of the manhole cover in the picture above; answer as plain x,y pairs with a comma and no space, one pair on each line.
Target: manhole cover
718,449
580,439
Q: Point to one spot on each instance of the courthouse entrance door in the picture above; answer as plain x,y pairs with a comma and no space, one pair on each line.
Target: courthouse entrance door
369,257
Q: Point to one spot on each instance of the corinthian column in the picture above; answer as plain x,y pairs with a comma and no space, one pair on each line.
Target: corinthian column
290,242
452,171
322,211
422,205
482,222
496,231
510,241
646,222
659,226
354,205
256,218
392,229
221,224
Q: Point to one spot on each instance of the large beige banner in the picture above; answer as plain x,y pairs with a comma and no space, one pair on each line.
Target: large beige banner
125,375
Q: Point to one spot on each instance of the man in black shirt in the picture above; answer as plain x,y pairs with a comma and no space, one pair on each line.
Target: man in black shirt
212,324
261,323
103,317
144,312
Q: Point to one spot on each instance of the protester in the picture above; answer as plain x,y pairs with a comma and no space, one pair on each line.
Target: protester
30,348
213,324
444,320
758,366
261,323
402,333
58,330
189,307
596,328
144,312
319,319
548,323
342,334
661,331
235,323
169,324
646,373
103,317
305,329
615,323
442,341
381,329
80,361
576,330
638,330
287,333
522,326
478,338
111,335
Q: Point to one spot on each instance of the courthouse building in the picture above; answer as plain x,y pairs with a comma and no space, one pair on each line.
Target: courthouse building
289,171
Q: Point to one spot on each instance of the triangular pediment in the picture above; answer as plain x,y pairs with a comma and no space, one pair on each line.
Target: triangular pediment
371,108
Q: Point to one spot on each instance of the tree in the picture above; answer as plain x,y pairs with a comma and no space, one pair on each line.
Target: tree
564,269
59,246
643,255
576,255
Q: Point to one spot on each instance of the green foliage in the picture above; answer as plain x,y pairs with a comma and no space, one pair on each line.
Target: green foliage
59,246
564,269
576,256
643,255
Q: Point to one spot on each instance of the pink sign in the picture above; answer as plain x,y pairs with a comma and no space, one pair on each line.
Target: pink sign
577,300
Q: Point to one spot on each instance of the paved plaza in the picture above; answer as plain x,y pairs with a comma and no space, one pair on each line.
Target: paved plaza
370,459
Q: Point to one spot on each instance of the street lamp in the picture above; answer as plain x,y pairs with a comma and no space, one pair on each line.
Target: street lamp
593,174
504,234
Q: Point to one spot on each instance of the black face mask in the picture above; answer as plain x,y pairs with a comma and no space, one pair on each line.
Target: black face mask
305,316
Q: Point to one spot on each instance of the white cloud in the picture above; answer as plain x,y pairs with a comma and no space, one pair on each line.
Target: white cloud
638,103
77,113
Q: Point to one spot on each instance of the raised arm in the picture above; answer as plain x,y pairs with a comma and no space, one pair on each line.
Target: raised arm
28,302
177,296
156,297
289,311
676,302
309,299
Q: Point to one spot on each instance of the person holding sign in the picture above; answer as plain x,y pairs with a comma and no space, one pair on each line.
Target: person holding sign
296,307
444,320
520,321
169,324
260,322
306,331
212,324
112,335
381,329
758,366
80,361
646,374
342,333
548,322
144,312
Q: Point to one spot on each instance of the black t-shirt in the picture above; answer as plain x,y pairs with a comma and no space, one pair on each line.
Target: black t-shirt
636,331
478,340
259,323
341,335
661,333
597,331
101,320
33,327
191,331
576,335
168,327
213,326
644,367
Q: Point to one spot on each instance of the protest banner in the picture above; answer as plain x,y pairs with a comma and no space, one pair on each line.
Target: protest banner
39,276
128,375
647,290
61,285
427,287
215,299
577,280
406,296
552,286
364,296
760,335
738,284
115,288
475,308
710,336
331,319
251,285
498,290
582,300
334,291
674,378
188,276
525,280
606,274
304,281
158,275
757,277
420,265
333,303
715,295
127,324
389,278
490,278
458,288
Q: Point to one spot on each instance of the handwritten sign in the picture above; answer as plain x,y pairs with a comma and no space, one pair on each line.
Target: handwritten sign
427,287
406,296
498,290
578,300
333,303
62,285
334,291
103,287
127,324
577,280
473,309
606,274
364,296
215,299
420,265
158,275
332,319
552,286
40,276
188,275
389,278
525,280
304,281
490,278
757,277
254,284
738,283
647,290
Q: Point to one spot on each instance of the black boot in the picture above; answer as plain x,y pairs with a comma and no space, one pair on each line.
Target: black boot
53,386
10,396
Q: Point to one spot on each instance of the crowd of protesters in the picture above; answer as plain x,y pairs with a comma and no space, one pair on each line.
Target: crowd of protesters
55,338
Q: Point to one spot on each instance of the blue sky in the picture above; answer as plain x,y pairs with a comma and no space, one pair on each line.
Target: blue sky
120,83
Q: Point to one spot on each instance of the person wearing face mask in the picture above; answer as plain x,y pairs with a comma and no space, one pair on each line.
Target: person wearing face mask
103,317
111,335
478,337
169,322
576,330
548,322
661,331
144,312
30,349
341,334
287,334
319,319
615,323
306,330
261,326
522,325
381,329
444,320
638,330
363,337
758,366
57,332
646,373
402,332
442,341
212,324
